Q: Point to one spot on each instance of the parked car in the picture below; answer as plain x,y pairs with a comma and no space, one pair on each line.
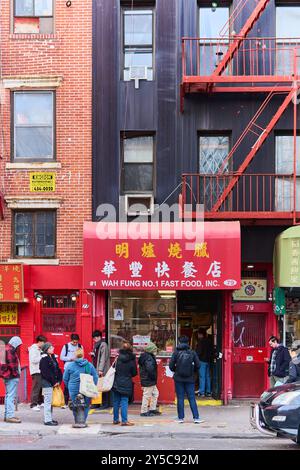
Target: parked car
278,412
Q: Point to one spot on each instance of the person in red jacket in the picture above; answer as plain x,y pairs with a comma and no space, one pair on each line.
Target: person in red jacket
10,371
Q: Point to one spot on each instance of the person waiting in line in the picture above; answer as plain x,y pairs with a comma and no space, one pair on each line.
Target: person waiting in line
67,356
184,363
35,353
10,372
101,362
278,363
294,368
204,350
123,385
148,373
72,381
51,377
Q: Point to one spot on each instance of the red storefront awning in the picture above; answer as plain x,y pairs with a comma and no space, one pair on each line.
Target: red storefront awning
177,256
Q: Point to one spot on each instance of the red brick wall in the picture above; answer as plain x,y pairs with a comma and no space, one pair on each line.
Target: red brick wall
66,53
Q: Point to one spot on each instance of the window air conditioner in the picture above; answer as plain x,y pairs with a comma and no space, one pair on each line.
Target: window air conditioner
137,73
139,204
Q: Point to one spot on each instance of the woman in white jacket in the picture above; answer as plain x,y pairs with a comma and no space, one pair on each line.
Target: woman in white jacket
35,352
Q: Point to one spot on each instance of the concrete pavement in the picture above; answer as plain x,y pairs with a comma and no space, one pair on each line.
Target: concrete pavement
226,421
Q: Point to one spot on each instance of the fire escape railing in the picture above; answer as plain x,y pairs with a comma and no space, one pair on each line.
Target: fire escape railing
255,194
264,59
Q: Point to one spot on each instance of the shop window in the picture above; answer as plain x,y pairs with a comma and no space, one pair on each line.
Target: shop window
137,171
34,234
287,37
292,317
33,16
214,33
7,332
213,150
33,137
58,301
284,185
137,24
140,317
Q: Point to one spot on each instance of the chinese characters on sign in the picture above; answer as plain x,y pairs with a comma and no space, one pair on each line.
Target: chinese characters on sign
251,289
295,262
151,263
11,283
8,314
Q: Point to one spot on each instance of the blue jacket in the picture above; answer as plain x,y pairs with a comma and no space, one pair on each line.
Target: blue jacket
72,374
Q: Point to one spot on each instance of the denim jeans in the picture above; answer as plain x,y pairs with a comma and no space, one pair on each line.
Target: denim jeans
87,401
120,401
204,378
47,393
11,388
188,388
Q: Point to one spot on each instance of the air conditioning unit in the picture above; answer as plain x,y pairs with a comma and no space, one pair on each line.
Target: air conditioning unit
139,204
137,73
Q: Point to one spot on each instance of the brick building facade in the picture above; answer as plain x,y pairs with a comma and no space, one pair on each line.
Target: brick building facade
45,119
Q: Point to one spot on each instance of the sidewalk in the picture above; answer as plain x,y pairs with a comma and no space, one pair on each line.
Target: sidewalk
226,421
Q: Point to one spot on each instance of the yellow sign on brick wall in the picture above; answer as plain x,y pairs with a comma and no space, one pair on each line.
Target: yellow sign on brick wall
8,314
42,182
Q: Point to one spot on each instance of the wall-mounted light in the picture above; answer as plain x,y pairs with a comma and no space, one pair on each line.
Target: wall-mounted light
214,6
250,266
68,3
270,298
38,297
74,296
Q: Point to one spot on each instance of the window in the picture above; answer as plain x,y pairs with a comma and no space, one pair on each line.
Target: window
138,164
33,126
213,149
287,35
140,317
284,185
34,234
214,32
33,16
138,40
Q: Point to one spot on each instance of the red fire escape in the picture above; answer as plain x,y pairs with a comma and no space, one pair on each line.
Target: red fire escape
235,64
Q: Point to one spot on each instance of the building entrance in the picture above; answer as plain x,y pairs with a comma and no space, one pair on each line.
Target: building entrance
201,312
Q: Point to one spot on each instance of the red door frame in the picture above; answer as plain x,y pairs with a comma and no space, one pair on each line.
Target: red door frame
258,307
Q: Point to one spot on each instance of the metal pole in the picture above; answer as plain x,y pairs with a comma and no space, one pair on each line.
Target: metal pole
284,331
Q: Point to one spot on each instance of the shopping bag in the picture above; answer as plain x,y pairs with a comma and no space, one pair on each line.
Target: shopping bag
97,400
58,398
105,383
87,386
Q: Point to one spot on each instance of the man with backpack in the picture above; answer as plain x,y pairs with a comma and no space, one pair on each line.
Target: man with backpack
67,355
184,363
10,372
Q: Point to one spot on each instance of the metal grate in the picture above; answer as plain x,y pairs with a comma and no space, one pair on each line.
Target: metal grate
249,330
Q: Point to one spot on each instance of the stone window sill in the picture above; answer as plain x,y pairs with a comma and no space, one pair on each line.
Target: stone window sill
35,36
33,166
35,261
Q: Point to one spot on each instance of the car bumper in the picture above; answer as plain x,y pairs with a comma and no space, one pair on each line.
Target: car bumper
257,421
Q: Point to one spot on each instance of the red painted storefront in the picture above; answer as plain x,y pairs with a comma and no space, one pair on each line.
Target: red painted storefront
243,369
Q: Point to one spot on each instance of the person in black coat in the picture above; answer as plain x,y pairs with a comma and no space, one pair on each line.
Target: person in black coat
148,374
123,385
294,369
51,377
184,363
279,361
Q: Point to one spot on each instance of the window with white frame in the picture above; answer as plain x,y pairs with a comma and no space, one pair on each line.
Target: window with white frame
137,171
287,37
33,16
284,165
137,40
33,136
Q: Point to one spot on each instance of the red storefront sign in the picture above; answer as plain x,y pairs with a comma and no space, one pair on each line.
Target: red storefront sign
11,283
115,258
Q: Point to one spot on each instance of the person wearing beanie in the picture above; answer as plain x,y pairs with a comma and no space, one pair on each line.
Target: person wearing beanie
10,372
148,374
51,377
294,367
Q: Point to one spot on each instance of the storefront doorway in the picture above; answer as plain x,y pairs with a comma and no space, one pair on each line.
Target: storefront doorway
202,310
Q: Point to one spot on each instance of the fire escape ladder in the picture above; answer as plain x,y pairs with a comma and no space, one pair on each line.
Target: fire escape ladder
235,44
262,136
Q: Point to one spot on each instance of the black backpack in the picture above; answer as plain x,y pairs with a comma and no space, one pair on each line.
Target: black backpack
67,347
185,363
